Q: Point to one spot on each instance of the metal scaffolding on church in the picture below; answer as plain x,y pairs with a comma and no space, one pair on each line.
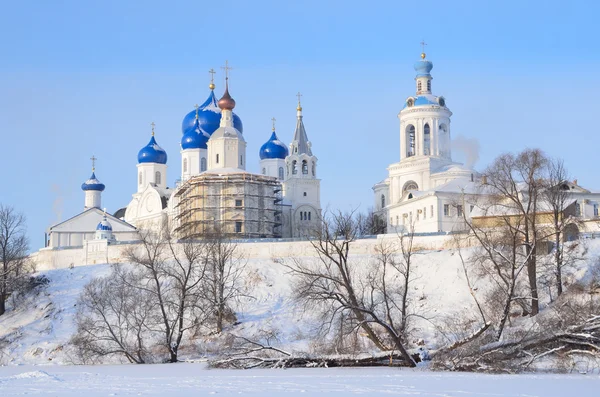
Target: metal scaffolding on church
239,205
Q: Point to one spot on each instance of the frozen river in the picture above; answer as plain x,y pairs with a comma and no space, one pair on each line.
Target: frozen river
196,380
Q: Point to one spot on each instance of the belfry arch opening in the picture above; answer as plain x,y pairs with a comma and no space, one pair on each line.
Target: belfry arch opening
410,140
426,140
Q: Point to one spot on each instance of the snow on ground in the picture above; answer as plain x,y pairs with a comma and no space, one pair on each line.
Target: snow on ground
186,379
38,330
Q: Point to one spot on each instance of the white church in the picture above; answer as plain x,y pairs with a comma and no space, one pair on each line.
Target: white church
426,191
215,190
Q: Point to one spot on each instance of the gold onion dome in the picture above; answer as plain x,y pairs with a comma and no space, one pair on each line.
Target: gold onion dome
226,102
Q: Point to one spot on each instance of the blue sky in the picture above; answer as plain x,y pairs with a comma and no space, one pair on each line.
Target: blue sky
88,77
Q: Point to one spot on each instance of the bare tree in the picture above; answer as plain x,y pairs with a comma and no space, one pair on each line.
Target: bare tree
516,183
557,196
370,223
500,255
223,282
337,286
114,319
13,252
172,274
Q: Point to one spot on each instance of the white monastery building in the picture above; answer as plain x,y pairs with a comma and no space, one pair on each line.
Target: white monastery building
215,191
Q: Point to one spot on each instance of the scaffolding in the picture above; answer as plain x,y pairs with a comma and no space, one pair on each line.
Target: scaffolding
238,205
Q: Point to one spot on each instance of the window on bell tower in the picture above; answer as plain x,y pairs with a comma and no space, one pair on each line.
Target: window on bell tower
426,140
428,85
419,86
410,140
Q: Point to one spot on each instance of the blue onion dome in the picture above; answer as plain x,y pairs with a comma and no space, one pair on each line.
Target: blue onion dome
93,184
195,139
273,149
152,153
423,67
209,117
104,225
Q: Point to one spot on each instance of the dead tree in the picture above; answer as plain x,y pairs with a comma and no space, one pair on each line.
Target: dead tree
13,252
335,286
223,281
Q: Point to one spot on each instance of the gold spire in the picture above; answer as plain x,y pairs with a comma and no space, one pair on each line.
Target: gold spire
212,79
196,106
299,108
423,44
93,158
273,120
152,124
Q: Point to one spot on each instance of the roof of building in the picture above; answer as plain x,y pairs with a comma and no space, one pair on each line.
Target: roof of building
152,153
300,137
273,149
209,117
93,184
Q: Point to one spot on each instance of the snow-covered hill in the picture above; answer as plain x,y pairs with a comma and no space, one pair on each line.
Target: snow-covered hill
37,331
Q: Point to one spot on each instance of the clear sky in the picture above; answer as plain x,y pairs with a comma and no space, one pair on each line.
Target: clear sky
83,78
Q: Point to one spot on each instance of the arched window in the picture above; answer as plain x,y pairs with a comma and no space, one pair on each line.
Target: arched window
294,170
264,171
428,85
184,165
203,164
426,140
309,215
444,141
410,140
241,159
419,85
140,178
304,167
410,185
382,201
313,169
157,178
281,173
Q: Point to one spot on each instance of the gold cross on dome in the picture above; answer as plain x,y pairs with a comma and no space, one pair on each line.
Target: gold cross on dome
212,75
299,95
93,158
153,125
197,107
423,44
227,68
273,120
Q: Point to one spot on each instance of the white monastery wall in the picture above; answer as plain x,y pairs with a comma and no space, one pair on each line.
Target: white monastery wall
47,259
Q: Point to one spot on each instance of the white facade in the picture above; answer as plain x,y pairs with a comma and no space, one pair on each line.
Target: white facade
193,162
425,188
273,167
93,199
302,188
74,232
154,174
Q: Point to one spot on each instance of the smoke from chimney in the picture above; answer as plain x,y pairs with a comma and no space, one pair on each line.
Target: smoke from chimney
469,147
